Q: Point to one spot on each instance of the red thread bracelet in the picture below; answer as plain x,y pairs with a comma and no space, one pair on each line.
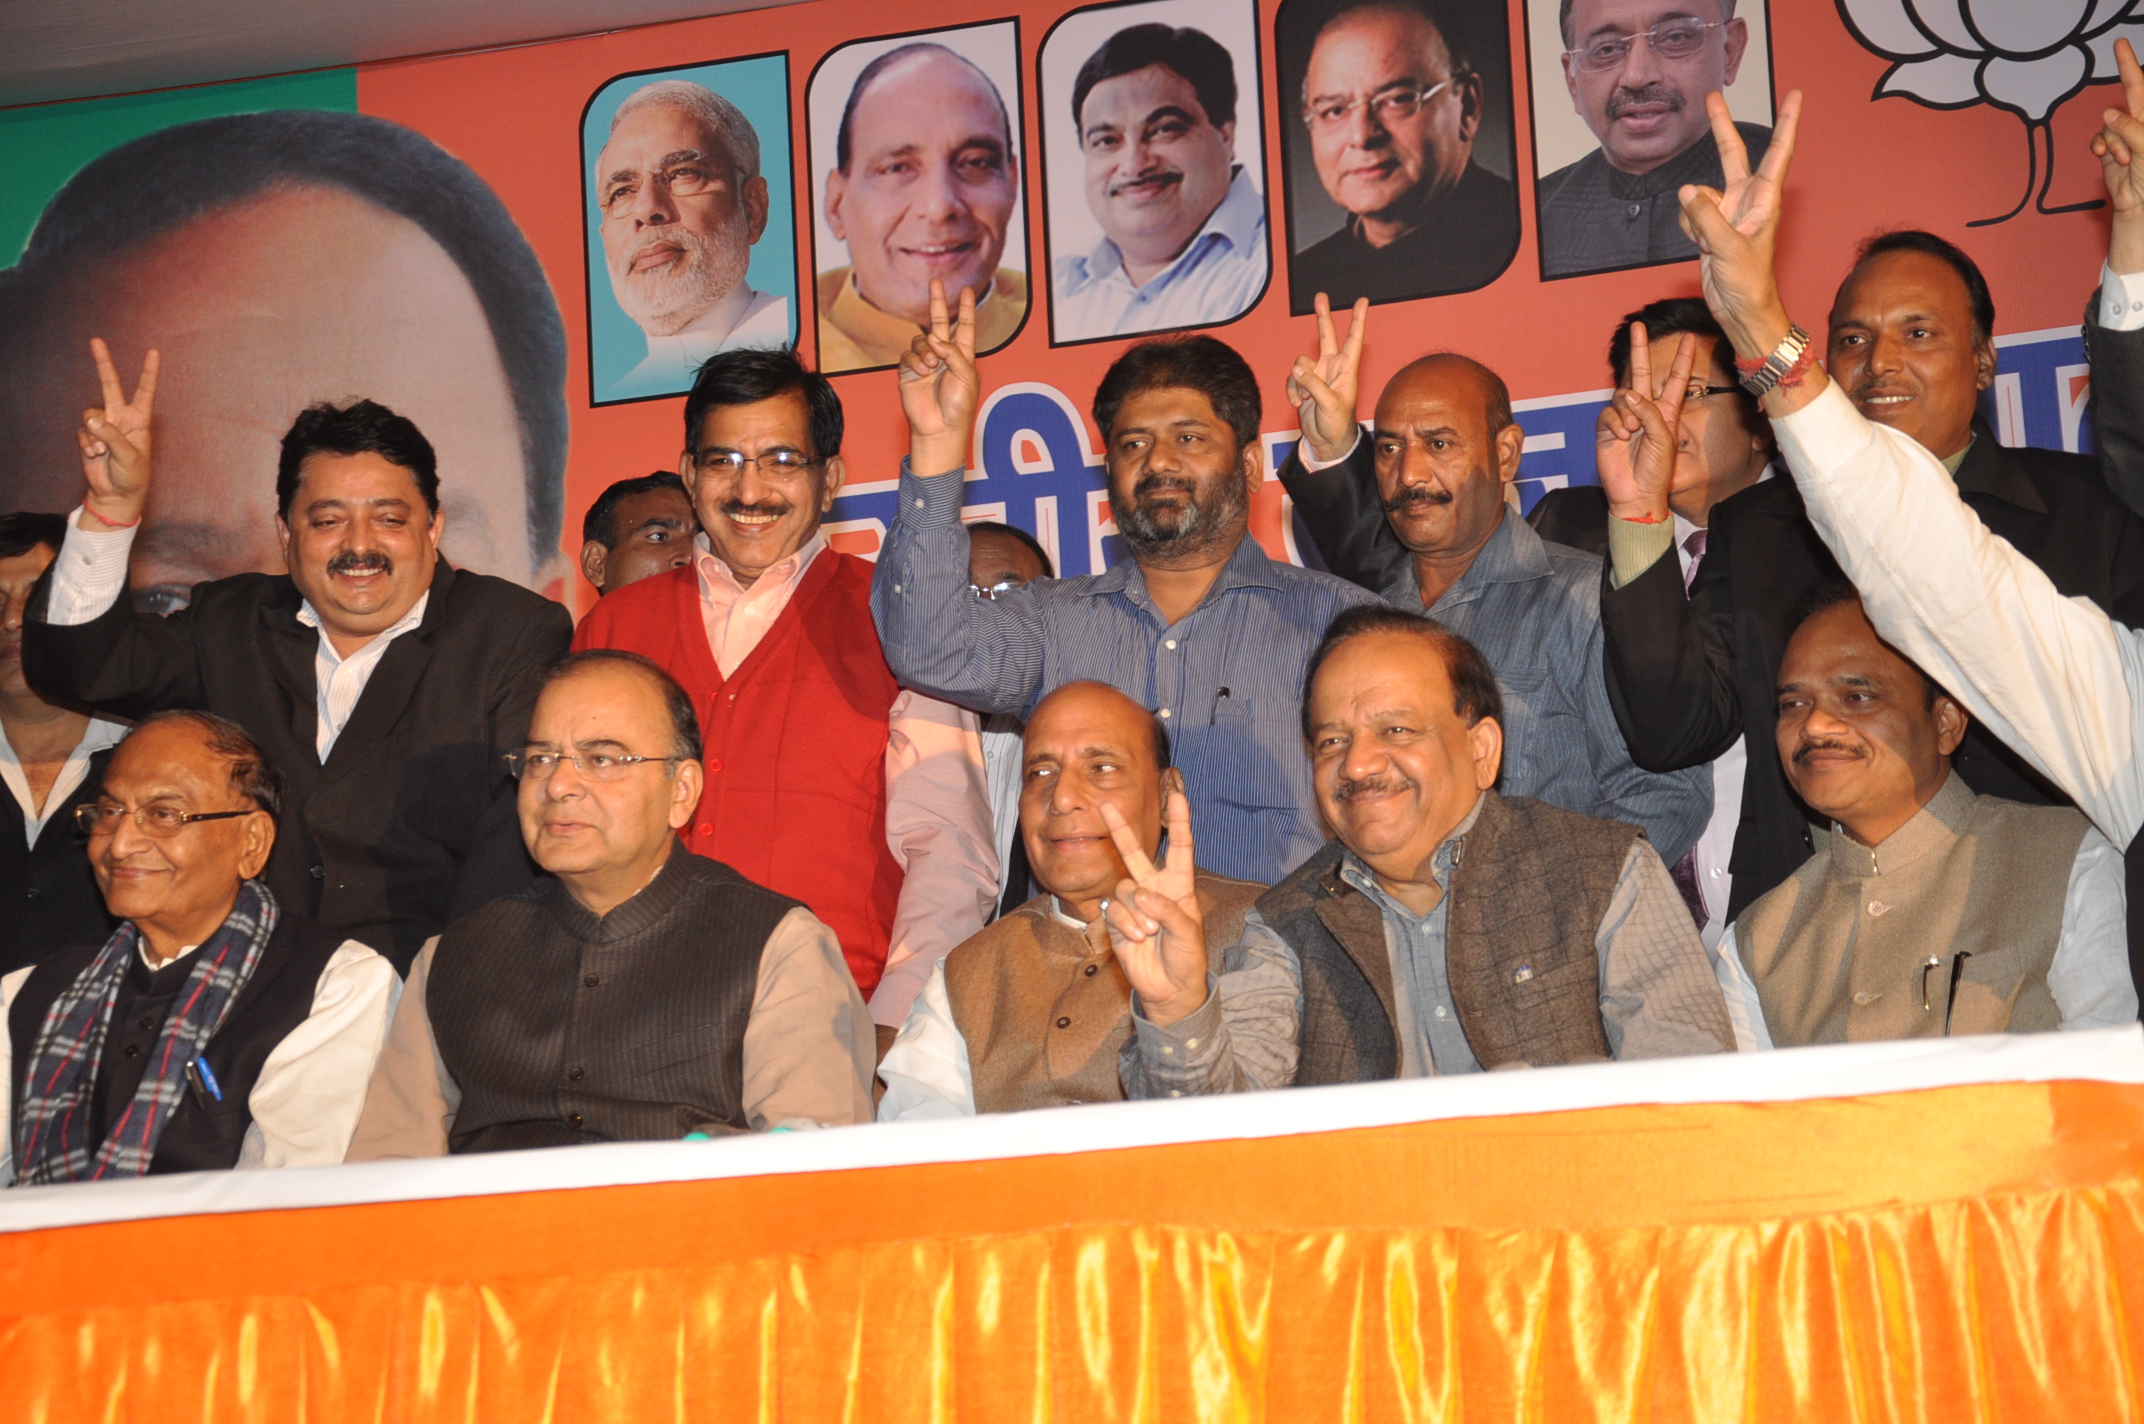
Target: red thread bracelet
1799,371
108,524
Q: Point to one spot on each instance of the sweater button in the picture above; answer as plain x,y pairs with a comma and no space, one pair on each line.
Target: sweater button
706,829
592,980
575,1119
1064,1023
1091,968
148,1025
713,765
575,1075
133,1050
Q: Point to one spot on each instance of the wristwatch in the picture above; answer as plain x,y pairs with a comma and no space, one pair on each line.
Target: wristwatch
1785,356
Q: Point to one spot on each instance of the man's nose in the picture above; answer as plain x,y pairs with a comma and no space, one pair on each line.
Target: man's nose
1067,795
11,612
1823,724
1364,129
940,198
1362,759
1641,66
1885,352
652,204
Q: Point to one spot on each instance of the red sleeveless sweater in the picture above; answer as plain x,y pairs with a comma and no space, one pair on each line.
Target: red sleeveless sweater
795,742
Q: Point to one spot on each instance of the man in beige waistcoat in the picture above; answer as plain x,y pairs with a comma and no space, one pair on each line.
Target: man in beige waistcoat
1932,910
1031,1012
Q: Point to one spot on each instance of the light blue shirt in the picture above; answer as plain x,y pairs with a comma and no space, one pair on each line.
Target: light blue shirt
1216,278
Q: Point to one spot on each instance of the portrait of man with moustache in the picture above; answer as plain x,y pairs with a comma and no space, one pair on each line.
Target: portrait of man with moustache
682,203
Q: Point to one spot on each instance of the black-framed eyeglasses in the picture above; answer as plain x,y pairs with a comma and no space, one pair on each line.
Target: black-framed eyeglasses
159,819
596,766
1670,39
732,462
1698,392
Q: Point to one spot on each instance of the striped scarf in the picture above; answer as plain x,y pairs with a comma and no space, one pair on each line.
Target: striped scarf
52,1127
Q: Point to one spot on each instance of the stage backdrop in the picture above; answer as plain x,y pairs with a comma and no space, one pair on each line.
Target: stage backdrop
466,238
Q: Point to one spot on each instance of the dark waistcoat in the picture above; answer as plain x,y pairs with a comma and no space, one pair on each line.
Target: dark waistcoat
273,1002
48,897
559,1027
1529,886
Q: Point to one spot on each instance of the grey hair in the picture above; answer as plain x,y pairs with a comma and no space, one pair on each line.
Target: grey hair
724,119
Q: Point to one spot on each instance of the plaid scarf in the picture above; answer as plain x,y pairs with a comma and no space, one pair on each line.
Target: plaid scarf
52,1126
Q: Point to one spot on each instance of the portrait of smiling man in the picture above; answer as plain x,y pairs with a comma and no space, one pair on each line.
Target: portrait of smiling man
683,203
1638,72
1155,111
925,184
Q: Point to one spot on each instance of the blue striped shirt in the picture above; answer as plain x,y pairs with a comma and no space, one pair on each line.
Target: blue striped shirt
1226,678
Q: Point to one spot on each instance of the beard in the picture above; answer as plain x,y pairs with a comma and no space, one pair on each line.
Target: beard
1149,527
663,301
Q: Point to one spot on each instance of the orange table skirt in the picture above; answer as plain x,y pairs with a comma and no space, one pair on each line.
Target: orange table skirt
1968,1253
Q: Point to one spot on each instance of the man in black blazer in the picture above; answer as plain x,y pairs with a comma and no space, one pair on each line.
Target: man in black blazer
386,686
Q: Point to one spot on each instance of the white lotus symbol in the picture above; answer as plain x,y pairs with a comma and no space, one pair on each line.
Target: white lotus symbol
2026,56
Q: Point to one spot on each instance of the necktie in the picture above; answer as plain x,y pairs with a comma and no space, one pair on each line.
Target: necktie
1684,871
1695,547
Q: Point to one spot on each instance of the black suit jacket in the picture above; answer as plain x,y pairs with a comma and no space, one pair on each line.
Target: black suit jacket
48,898
2117,359
1576,515
410,823
1689,675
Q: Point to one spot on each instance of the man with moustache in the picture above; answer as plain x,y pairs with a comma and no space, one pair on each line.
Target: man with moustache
683,203
1195,623
1638,72
1393,103
52,760
924,185
639,992
1446,929
217,1028
1435,466
1933,910
384,685
828,780
636,529
1032,1012
1183,227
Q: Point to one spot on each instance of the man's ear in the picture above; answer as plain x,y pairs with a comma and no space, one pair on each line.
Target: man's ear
1983,362
755,206
837,188
1470,102
1737,45
258,832
1254,466
685,787
1951,722
1487,737
593,558
1510,445
1172,779
837,474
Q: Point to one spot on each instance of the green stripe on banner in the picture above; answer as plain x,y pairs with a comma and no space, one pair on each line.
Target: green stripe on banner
42,146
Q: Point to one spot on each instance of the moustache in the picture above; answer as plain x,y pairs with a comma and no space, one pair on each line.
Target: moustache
1417,494
1807,750
352,562
1165,178
1623,101
1156,484
1371,786
738,509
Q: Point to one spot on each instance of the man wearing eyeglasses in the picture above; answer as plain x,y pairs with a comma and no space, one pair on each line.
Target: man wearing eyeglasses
217,1028
683,205
1638,72
826,780
642,992
1393,105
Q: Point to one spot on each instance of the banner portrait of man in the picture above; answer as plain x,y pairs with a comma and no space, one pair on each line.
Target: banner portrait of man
691,247
915,159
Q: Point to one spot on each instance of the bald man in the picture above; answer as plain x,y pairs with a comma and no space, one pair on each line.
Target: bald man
1440,461
1033,1011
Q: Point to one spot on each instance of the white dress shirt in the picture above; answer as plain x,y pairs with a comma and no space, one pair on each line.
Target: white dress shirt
91,573
1217,276
312,1084
1004,757
95,738
2121,299
744,318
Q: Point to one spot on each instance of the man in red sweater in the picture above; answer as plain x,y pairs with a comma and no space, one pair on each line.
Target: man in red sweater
826,780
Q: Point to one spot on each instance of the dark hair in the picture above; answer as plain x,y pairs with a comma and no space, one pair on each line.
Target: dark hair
1452,24
1563,18
842,136
1193,54
1911,239
163,180
252,775
747,377
359,428
1835,593
25,529
1200,363
1474,691
1671,316
1018,536
684,722
596,523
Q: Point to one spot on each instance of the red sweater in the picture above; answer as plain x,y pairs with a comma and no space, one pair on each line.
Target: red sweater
795,742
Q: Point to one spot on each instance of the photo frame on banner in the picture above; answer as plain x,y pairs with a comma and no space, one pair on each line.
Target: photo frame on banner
914,151
1154,180
1616,135
1398,160
690,251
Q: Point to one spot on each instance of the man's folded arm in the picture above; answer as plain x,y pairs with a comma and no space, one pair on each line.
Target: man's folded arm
984,654
1339,505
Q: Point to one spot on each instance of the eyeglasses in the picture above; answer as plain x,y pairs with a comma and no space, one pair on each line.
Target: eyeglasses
159,819
680,180
990,593
596,766
730,462
1388,106
1670,39
1699,392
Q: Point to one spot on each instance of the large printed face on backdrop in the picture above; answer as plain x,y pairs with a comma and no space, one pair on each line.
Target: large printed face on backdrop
1391,124
1157,165
1639,70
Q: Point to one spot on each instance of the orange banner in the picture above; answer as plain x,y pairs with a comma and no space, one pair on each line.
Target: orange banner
1960,1253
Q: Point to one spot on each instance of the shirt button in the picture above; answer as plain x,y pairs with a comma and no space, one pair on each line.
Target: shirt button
1176,1092
1717,872
1633,210
592,980
148,1025
1164,712
1170,645
1877,907
1191,1043
575,1075
1064,1023
1091,968
1440,1011
133,1050
919,504
1865,997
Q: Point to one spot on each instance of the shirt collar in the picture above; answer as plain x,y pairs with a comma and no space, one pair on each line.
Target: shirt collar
714,570
1248,567
1356,872
1513,553
402,625
98,735
1985,467
1933,828
1235,220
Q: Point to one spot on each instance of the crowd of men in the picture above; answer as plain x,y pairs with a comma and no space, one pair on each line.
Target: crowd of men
1815,722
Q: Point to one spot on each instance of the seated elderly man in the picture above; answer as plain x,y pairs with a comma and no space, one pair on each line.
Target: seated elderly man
1933,910
214,1029
1448,929
637,992
1031,1013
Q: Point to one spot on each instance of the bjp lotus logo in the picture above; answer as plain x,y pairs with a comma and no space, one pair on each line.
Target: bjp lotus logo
2026,56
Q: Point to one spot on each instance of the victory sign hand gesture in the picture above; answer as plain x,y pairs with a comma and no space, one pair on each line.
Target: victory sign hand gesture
1736,229
940,388
1154,918
2118,146
115,441
1639,430
1324,388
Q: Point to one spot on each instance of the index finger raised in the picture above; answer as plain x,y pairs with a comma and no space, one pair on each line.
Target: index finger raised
1352,356
1734,154
964,330
1176,818
1126,840
1641,359
1780,152
941,323
107,373
145,388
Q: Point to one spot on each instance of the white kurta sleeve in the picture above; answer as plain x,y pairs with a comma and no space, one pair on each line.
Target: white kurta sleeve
2090,976
312,1086
927,1073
